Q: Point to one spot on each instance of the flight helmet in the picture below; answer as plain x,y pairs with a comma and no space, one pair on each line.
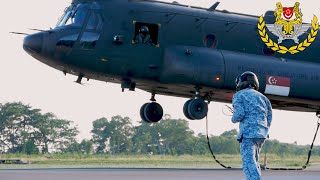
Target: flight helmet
247,80
144,30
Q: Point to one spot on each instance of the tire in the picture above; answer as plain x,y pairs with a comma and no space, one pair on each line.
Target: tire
185,109
142,113
153,112
197,109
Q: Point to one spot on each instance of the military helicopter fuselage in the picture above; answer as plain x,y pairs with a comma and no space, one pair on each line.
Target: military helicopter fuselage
190,52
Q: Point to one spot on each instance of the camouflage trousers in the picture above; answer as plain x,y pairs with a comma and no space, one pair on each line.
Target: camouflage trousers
250,150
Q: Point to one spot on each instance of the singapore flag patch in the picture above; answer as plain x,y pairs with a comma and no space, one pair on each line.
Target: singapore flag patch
276,85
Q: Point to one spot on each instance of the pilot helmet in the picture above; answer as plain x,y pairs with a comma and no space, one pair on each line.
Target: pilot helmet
247,79
144,30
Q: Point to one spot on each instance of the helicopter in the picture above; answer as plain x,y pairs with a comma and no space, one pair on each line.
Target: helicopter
176,50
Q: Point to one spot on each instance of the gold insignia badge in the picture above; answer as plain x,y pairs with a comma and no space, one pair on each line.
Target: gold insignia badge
286,28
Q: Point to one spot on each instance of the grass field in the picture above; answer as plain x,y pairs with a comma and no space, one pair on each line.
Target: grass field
146,161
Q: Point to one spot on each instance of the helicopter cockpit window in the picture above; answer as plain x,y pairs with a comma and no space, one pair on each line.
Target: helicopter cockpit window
66,15
92,32
89,40
78,18
74,15
67,41
95,22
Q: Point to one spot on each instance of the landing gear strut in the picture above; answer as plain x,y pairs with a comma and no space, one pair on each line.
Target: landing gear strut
151,112
195,109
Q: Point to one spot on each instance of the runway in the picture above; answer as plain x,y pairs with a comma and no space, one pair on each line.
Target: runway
150,174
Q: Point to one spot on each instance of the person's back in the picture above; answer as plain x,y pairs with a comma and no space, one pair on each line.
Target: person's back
254,114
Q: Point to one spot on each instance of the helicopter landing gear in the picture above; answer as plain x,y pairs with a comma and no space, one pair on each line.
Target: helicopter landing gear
195,109
151,112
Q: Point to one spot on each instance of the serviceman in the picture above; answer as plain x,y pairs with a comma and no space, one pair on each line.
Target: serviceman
144,36
254,113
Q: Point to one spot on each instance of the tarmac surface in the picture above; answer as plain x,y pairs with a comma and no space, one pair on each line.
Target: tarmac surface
150,174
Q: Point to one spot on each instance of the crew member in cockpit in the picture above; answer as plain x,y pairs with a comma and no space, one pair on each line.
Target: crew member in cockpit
144,36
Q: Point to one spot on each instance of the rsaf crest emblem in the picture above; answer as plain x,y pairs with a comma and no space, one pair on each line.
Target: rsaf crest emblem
288,28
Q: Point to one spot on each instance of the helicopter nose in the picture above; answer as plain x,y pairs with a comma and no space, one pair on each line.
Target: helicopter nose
33,43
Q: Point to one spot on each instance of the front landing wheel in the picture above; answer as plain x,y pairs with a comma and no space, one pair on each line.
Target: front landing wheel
151,112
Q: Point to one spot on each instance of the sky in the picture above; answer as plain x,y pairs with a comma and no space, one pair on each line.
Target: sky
31,82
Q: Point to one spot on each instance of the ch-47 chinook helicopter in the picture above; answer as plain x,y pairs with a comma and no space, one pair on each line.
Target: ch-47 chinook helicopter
191,52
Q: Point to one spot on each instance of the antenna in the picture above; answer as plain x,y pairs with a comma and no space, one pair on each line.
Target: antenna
214,6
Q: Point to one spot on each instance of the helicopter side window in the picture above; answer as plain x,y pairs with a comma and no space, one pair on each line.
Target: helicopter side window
210,41
146,33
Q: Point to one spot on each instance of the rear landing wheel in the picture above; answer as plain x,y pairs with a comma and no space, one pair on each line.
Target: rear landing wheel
195,109
185,109
151,112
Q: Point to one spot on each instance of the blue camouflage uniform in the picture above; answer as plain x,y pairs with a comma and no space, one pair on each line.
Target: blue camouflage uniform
254,112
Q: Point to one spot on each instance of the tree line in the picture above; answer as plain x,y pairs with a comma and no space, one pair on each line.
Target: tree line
24,129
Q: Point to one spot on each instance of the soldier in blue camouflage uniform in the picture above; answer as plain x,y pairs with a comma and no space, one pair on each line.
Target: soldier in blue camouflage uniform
254,113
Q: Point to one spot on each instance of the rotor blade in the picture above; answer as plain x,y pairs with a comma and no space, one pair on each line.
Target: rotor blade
19,33
40,30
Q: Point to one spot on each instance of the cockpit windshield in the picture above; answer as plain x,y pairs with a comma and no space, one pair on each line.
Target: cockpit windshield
74,15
